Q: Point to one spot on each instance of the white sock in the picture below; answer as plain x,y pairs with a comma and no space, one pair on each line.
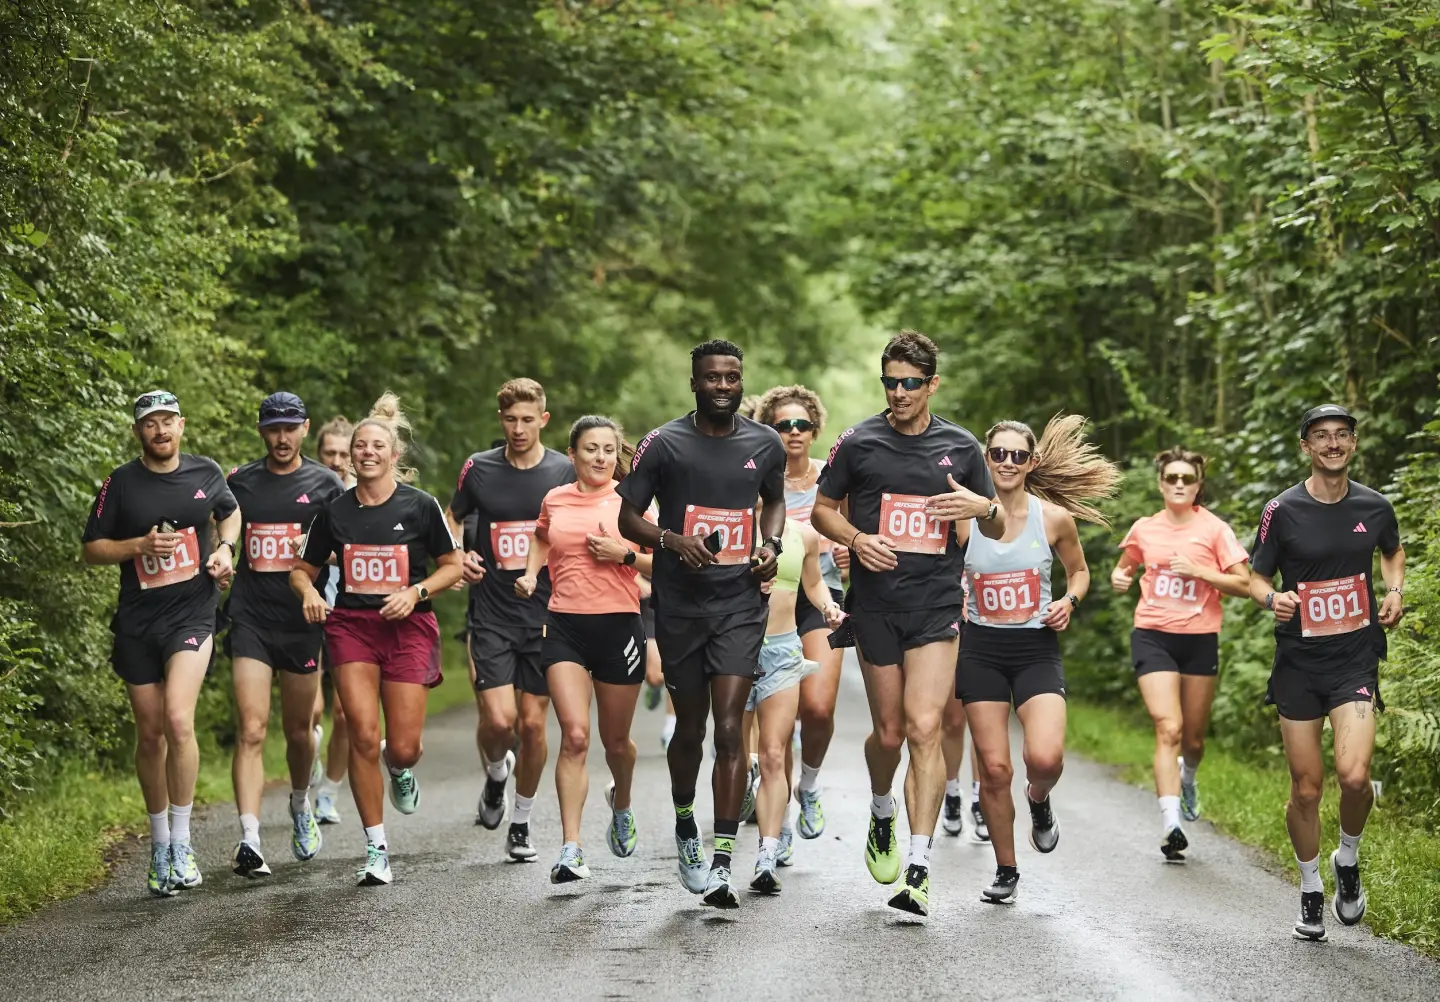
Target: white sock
1349,853
160,828
809,778
521,814
299,801
1169,813
882,806
250,829
668,730
1187,773
392,770
1310,875
570,845
920,851
754,761
952,788
498,771
180,822
975,791
769,847
329,786
375,835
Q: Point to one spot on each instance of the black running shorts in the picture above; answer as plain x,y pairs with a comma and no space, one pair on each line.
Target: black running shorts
610,645
693,650
1300,693
508,656
883,637
295,651
999,665
141,660
1186,653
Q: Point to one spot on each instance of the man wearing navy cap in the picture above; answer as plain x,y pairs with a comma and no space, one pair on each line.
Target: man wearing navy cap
1321,536
279,496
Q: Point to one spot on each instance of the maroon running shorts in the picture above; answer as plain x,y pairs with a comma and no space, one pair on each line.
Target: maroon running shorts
407,650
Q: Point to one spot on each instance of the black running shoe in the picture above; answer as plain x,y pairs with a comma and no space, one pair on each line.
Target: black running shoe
979,830
952,816
1002,892
1311,923
1174,845
519,842
1044,828
1349,901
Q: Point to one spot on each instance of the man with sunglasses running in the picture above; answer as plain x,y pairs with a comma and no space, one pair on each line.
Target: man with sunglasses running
908,474
1321,536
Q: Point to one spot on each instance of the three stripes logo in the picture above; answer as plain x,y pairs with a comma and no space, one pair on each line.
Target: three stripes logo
303,499
749,464
1359,527
199,495
946,462
632,655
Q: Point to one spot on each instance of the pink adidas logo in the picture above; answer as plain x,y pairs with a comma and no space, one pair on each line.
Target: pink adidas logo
303,499
946,462
192,641
1359,527
749,464
1363,691
199,495
310,663
955,626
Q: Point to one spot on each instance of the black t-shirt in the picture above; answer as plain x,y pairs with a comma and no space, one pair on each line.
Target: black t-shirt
380,549
506,502
276,508
1326,554
706,484
888,476
157,595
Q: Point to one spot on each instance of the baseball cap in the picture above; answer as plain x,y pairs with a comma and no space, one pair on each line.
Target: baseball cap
156,400
1325,412
282,408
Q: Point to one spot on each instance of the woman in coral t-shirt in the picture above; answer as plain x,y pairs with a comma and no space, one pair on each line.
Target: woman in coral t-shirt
1188,557
594,638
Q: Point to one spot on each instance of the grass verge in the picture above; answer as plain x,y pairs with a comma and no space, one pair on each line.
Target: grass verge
1401,859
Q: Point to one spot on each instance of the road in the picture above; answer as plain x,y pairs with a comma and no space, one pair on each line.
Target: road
1101,918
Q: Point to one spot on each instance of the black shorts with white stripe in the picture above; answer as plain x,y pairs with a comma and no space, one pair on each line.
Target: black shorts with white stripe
610,645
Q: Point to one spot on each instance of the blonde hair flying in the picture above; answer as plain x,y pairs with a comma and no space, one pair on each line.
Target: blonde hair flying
1069,470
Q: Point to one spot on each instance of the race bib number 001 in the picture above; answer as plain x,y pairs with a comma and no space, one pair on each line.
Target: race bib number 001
733,526
1177,591
510,542
1006,597
376,570
182,565
268,547
1341,605
903,519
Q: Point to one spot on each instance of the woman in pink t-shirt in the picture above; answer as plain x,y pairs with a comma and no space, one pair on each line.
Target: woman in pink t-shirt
594,639
1188,557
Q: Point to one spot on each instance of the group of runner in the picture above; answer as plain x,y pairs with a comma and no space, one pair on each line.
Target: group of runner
714,555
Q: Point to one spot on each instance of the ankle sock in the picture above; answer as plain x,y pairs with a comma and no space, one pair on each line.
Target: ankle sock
180,822
975,791
809,778
1187,773
952,788
160,828
725,832
498,771
1310,875
375,835
882,805
299,801
920,851
1169,813
685,825
521,814
1349,852
250,829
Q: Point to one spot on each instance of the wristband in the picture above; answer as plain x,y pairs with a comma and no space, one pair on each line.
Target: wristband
1398,591
1270,601
858,534
663,534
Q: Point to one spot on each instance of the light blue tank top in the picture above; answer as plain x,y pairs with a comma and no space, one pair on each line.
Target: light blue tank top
798,505
1009,583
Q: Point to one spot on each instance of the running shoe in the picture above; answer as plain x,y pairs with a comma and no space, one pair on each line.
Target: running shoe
1311,922
157,881
694,871
494,807
1349,901
652,696
765,881
325,812
404,787
1005,887
376,870
317,767
519,842
914,896
785,854
812,815
246,861
570,866
622,834
752,787
882,857
718,892
979,830
1189,796
184,872
305,840
1044,826
1174,845
952,815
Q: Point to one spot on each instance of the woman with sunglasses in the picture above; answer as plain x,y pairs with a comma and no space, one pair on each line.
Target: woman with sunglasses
1010,648
1188,558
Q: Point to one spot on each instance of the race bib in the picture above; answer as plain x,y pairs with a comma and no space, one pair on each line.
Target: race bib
1341,605
182,565
510,542
733,526
268,547
903,519
1177,591
376,570
1006,598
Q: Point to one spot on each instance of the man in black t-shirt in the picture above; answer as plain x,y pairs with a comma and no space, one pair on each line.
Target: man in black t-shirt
905,592
153,517
708,470
503,489
279,496
1321,536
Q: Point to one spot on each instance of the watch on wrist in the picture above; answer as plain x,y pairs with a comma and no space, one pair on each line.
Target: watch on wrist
993,510
774,545
230,543
629,558
422,591
1074,600
1270,601
1398,591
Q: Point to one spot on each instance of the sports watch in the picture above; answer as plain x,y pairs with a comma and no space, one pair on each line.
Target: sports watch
774,545
423,592
629,559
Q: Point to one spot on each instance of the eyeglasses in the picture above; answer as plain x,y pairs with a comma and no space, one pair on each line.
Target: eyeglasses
1180,478
911,383
1017,456
794,424
1341,437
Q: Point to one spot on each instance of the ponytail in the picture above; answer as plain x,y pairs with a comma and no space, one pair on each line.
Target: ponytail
388,414
1069,471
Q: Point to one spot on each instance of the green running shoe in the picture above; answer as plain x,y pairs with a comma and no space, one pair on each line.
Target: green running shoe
184,873
694,870
1189,797
404,788
317,767
812,815
570,866
914,896
881,855
376,870
158,880
305,840
785,854
622,835
752,787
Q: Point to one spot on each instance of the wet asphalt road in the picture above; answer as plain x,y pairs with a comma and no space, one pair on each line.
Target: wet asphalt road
1101,918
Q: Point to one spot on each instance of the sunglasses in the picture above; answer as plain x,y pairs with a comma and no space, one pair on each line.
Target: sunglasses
284,412
1017,456
155,400
1180,478
911,383
794,424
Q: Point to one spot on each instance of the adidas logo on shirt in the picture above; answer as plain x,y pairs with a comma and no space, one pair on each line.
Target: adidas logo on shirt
310,663
199,495
303,499
192,641
1359,527
946,462
749,464
399,527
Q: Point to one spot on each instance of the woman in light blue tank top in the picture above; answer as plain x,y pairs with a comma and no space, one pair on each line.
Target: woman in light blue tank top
1009,649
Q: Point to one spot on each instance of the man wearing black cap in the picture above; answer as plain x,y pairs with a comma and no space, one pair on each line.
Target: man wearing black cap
279,495
153,517
1321,536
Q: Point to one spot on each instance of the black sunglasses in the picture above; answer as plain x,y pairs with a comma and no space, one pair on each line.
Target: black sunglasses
1180,478
154,399
284,412
911,383
794,424
1017,456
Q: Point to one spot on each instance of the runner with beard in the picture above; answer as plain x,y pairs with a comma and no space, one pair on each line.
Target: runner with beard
709,470
153,517
333,450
